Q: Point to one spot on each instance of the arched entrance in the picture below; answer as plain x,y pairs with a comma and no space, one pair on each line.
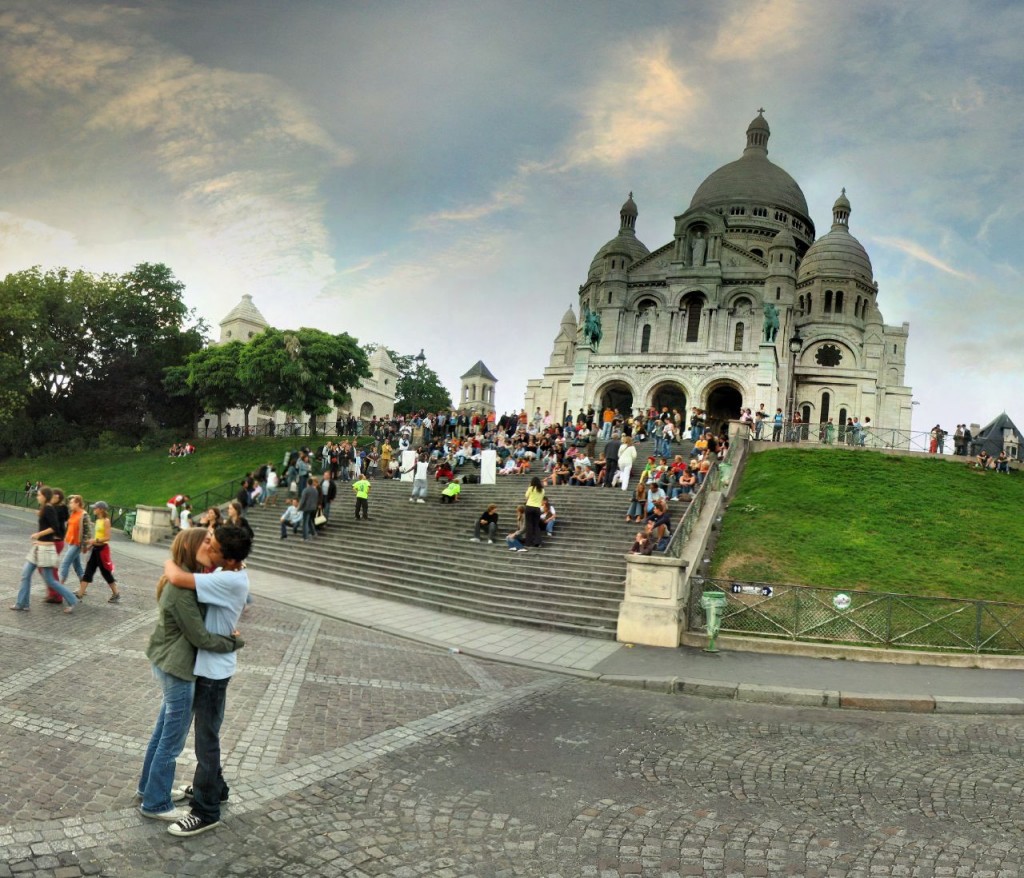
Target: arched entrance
724,403
669,395
617,396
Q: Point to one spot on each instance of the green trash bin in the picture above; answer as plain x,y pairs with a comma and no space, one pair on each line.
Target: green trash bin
129,522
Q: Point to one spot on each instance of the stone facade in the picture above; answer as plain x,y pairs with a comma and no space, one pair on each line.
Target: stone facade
476,392
709,318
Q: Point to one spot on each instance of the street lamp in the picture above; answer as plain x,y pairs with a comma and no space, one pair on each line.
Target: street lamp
796,344
420,359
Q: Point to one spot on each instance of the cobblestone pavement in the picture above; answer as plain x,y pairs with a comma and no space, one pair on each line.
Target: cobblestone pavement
352,753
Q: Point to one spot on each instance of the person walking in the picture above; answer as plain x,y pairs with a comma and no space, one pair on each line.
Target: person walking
309,502
534,502
419,469
180,631
99,555
627,454
77,534
42,555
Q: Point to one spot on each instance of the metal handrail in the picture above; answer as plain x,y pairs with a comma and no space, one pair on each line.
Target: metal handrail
681,532
866,437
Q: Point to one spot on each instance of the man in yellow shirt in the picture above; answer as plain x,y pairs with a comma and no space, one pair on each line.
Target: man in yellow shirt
362,488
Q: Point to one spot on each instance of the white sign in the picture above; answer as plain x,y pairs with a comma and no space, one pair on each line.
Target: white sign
842,601
764,591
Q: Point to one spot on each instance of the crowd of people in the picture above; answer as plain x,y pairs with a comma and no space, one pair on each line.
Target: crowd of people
64,534
181,449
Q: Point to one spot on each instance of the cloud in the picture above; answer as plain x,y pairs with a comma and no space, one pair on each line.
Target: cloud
918,252
758,30
641,103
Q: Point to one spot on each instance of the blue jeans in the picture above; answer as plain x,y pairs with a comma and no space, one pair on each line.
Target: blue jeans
166,742
48,578
208,787
308,528
72,558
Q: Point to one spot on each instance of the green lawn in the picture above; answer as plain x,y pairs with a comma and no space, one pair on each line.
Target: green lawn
127,478
875,522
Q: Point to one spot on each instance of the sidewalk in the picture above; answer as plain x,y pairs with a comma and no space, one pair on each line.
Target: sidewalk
794,680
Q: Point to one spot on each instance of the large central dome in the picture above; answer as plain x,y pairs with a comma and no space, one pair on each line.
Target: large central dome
752,178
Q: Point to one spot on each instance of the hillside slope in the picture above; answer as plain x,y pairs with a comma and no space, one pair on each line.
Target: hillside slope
871,521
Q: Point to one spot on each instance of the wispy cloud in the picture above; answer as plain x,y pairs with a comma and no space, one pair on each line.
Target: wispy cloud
916,251
759,29
641,103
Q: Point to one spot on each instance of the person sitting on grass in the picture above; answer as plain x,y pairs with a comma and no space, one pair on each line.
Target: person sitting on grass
516,540
1003,463
547,517
451,492
488,520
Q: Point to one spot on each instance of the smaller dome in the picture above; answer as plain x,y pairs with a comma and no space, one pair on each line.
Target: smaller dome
569,319
629,207
784,239
623,244
838,253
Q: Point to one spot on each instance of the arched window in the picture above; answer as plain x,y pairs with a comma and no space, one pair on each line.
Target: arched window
758,252
856,308
694,305
737,342
828,301
366,410
810,304
742,305
645,339
826,401
805,416
801,306
839,301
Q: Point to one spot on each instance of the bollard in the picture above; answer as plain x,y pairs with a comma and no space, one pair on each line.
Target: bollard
712,602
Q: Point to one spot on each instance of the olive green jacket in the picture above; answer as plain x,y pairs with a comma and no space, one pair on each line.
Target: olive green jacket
180,631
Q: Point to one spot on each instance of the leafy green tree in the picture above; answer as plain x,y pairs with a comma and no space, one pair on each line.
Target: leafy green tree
83,353
418,389
303,371
213,377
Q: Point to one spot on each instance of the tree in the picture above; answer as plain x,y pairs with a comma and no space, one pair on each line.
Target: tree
303,371
213,377
419,389
82,353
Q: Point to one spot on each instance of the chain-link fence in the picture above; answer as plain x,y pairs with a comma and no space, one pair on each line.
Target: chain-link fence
862,618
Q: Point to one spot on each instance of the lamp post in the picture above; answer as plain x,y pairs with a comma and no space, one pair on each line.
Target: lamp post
796,344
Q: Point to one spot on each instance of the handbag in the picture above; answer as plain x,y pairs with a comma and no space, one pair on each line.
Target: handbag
293,486
320,520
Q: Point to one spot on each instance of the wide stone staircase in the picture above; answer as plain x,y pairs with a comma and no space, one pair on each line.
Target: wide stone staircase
422,553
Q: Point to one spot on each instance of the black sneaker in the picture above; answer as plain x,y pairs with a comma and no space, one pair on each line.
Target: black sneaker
186,793
191,824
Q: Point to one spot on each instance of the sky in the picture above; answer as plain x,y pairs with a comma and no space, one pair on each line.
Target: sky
439,175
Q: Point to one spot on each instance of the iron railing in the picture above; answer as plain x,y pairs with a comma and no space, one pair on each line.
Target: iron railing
862,618
13,497
691,514
869,437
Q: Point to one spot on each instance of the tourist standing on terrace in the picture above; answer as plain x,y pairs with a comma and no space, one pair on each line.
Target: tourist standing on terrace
362,490
42,555
309,502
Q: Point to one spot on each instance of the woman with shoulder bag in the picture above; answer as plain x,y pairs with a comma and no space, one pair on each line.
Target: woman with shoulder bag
42,555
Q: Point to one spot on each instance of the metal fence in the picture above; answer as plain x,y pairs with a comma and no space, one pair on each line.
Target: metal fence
322,429
862,618
862,437
691,515
11,497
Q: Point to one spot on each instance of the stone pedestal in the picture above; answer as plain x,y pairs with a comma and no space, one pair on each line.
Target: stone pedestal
152,524
653,612
577,401
488,466
767,374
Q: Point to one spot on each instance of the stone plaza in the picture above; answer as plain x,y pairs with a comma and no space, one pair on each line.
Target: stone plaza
354,753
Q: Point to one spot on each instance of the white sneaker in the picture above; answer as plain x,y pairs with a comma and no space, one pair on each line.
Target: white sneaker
474,539
489,542
421,500
172,816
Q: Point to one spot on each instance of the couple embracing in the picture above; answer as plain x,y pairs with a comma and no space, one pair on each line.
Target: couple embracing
200,598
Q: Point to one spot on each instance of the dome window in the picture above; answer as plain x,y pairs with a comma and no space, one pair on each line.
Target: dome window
760,211
737,211
737,342
839,301
828,301
781,217
645,339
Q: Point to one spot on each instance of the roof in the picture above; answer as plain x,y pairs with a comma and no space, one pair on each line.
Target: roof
990,437
753,177
479,370
247,311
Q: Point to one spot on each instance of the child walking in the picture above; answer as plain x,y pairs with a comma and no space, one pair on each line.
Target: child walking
99,556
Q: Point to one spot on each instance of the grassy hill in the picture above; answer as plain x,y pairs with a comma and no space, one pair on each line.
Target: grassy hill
127,478
875,522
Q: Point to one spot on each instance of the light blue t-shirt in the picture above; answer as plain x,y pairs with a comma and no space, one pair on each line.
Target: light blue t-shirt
224,593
